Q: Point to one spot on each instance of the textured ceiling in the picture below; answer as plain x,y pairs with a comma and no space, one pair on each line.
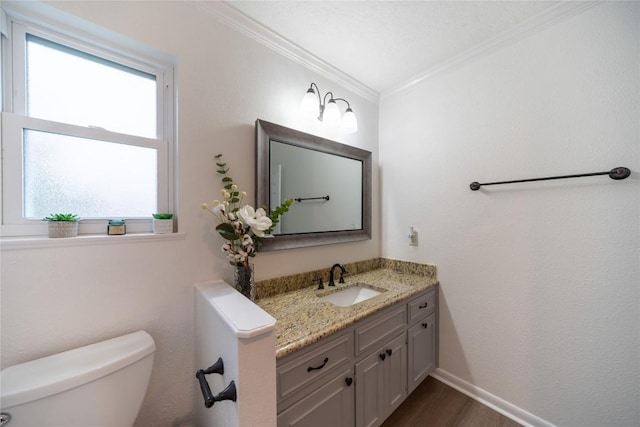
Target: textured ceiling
382,44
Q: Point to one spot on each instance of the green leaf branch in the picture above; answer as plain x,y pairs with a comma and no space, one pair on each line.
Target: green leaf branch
241,226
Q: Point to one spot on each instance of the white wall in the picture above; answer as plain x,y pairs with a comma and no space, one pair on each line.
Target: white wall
59,298
540,281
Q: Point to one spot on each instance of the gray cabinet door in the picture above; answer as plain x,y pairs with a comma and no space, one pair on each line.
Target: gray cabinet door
381,383
395,373
369,391
422,345
329,405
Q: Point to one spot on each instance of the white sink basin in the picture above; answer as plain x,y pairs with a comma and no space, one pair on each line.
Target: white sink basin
350,296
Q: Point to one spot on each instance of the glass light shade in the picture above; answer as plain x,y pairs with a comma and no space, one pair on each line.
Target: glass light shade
349,122
310,105
331,114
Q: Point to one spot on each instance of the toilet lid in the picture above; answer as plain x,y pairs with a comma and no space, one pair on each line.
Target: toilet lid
54,374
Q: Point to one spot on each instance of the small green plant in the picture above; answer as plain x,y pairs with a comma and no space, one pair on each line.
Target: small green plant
162,215
61,217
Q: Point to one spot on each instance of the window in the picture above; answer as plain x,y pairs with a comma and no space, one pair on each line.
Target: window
85,129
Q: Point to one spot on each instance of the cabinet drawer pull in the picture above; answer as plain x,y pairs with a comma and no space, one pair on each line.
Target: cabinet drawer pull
425,305
382,356
309,369
349,381
389,351
425,325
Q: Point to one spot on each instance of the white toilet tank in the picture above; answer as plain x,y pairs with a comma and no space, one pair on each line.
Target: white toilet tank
99,385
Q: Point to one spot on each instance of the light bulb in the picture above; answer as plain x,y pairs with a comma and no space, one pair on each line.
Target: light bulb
349,122
310,106
331,115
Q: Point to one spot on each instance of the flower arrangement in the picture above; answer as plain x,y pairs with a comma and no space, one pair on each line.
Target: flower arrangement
241,226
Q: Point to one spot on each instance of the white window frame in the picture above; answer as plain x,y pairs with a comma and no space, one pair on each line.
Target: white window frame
13,121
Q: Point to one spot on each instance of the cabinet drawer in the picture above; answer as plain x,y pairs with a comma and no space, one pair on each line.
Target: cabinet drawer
330,404
421,306
373,333
313,365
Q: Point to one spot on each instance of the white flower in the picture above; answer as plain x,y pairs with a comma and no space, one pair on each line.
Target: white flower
256,219
218,209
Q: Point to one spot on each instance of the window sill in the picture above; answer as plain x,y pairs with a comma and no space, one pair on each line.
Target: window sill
36,242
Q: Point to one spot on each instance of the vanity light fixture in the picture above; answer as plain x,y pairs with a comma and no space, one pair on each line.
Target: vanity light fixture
327,111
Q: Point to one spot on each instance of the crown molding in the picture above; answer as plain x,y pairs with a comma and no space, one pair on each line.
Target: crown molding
263,35
536,23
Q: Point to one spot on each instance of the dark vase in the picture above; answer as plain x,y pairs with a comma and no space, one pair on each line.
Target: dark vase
243,280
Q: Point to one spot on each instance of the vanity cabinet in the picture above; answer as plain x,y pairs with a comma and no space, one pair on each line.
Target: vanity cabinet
359,376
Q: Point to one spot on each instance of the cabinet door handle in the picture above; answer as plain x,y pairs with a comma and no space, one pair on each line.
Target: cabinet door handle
349,381
425,325
425,305
309,369
382,356
389,351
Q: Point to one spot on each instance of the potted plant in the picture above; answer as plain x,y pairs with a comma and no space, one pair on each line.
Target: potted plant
62,225
162,223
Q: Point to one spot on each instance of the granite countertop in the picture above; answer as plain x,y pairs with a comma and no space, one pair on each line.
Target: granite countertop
302,318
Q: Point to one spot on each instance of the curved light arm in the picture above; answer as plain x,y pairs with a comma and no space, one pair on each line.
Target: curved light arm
312,91
344,100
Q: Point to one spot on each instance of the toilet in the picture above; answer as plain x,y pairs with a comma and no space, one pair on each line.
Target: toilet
99,385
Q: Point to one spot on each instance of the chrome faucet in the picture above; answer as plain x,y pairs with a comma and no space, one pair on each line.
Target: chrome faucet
342,271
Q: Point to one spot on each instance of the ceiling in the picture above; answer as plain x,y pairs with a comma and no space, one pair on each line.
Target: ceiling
383,44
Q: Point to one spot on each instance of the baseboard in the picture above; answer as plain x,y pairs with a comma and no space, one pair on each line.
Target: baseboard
507,409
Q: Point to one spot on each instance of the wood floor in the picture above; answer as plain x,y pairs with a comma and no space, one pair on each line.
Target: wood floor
435,404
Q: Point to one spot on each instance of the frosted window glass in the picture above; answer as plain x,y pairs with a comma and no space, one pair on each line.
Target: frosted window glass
69,86
87,177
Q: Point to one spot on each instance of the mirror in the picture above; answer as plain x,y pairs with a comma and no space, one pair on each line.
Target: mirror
330,183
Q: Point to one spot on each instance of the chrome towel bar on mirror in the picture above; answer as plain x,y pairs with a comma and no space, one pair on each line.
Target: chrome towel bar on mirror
616,173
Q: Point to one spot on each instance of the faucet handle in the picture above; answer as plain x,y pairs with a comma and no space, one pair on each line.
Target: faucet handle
342,272
319,280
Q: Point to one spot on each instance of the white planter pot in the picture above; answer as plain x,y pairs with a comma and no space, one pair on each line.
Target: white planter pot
63,228
163,226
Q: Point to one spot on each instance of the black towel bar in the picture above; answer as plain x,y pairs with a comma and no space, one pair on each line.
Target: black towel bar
299,199
616,173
